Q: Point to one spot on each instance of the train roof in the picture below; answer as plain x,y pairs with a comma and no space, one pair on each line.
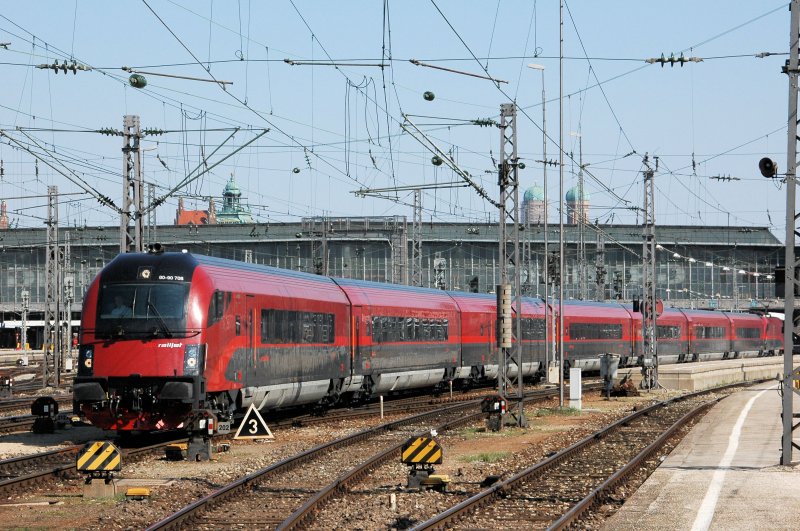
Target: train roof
376,294
125,266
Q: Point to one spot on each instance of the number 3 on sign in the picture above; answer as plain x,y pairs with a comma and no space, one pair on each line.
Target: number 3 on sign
253,425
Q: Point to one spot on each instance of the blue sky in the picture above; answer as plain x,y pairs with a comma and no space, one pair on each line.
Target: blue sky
341,126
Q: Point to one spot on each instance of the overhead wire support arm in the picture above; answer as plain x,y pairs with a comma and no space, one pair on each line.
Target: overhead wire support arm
454,71
363,192
189,180
175,76
292,62
102,199
433,148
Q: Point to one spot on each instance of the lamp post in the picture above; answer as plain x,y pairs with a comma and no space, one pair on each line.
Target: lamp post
709,264
549,333
691,293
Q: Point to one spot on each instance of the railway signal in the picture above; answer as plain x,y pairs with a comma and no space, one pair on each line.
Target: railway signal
45,409
768,167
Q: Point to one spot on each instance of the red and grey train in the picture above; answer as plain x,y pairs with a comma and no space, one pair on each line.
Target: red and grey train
167,334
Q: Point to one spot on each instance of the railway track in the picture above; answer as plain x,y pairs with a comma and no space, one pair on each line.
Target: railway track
16,423
20,473
284,495
557,492
275,494
24,403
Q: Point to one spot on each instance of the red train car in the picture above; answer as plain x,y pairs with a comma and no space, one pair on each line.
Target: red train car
199,332
165,335
404,337
595,328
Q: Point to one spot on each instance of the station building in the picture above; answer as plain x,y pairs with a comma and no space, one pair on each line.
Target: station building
697,266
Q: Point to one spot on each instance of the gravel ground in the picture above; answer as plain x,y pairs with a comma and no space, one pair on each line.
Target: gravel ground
471,454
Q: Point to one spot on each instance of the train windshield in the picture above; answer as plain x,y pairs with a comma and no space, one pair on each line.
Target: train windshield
142,309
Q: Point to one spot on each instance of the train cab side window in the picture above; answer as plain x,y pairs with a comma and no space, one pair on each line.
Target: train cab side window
216,309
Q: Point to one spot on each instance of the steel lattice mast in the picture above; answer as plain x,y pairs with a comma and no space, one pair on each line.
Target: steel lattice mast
648,303
131,237
510,329
52,294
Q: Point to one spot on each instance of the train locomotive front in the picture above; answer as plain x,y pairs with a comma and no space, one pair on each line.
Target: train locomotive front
142,353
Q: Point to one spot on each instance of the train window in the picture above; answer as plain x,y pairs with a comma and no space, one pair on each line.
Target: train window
748,333
133,309
285,326
533,329
217,307
410,330
404,329
709,332
668,332
595,331
438,330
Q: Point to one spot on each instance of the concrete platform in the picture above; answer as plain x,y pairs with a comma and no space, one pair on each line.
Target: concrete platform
698,376
725,475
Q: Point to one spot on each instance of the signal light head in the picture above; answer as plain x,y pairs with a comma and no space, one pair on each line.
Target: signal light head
768,167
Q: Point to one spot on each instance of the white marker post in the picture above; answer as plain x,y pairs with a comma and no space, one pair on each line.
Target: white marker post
575,394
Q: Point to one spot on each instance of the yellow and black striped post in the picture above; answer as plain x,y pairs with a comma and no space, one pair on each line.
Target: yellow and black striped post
99,458
421,451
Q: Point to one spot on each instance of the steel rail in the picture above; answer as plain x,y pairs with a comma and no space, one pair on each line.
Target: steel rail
194,510
501,489
303,515
60,470
590,501
306,512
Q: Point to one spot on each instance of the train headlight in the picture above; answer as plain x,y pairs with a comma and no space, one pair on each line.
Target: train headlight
86,361
192,359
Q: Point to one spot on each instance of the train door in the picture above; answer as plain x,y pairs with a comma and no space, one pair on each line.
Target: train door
357,329
249,328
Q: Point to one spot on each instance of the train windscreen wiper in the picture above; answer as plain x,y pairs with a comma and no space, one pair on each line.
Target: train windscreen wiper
164,327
